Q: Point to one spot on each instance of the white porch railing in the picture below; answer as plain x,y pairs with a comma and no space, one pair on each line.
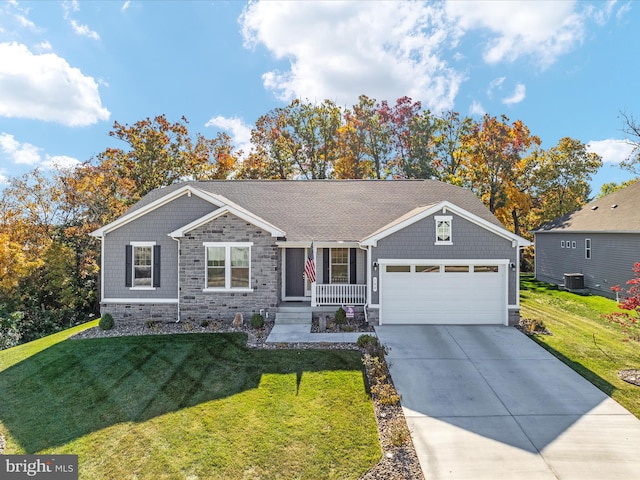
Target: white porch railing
339,294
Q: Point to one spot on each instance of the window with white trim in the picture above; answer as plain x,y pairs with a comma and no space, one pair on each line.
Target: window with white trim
228,266
142,265
443,230
339,265
573,244
587,248
561,243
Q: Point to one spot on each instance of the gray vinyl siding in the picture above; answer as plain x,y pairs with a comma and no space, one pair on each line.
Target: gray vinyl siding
612,258
152,227
470,241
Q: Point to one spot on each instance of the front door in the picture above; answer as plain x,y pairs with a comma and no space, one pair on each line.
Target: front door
295,281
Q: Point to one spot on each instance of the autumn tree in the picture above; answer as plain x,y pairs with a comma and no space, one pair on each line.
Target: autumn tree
562,178
611,187
353,159
271,156
451,130
493,149
631,130
160,153
376,133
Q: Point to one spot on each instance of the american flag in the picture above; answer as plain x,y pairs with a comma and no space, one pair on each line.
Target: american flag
310,266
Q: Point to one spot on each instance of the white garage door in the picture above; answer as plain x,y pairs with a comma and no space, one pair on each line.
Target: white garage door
433,293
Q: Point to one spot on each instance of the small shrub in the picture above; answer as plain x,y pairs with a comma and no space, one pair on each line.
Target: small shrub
152,325
366,340
376,367
386,393
533,326
398,432
341,316
347,328
106,322
204,323
257,321
187,327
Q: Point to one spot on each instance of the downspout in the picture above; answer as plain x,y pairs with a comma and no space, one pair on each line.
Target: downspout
178,240
368,299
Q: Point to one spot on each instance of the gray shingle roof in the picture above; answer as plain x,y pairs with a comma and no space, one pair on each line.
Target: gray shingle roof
616,212
333,210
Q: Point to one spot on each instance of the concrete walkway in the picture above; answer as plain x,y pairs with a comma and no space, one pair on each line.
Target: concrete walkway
302,334
486,402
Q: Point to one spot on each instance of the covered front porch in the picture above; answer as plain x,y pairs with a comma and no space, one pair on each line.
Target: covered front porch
340,274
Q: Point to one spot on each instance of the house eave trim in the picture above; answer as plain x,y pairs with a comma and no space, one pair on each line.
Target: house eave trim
187,189
449,207
246,216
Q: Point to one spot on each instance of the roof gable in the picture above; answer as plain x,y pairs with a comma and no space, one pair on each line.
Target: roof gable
444,207
238,212
618,212
134,213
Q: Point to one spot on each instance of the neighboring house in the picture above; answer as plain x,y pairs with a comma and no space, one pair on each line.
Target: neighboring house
399,251
600,242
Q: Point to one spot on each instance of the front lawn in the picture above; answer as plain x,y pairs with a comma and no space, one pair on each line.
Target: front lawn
583,339
189,406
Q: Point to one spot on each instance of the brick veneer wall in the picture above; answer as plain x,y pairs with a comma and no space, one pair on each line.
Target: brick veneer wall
196,304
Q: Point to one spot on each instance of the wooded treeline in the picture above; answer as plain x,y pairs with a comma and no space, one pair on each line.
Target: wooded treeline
49,263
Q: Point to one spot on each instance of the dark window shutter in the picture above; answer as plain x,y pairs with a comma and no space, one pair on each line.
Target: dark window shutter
352,265
156,265
128,265
325,266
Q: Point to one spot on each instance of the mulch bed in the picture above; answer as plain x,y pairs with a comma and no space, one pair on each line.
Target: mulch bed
399,459
630,376
352,325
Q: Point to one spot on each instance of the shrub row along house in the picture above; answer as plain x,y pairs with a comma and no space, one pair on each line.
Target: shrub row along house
593,248
398,251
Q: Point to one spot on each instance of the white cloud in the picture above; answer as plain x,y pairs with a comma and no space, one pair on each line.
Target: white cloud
611,150
495,84
518,95
78,29
476,108
27,154
44,46
239,131
83,30
4,180
60,162
46,87
542,30
125,6
339,50
20,153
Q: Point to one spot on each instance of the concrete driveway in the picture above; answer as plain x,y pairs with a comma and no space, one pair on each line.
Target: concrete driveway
486,402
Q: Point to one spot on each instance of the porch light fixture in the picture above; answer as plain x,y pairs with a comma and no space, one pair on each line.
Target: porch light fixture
513,267
375,266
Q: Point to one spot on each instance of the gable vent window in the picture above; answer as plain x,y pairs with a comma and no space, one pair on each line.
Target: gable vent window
142,265
443,230
587,248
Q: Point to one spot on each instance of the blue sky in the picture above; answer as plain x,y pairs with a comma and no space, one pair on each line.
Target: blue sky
69,69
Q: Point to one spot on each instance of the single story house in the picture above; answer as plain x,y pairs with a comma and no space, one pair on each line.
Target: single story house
593,248
415,251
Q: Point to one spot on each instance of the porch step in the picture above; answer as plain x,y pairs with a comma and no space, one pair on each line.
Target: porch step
293,316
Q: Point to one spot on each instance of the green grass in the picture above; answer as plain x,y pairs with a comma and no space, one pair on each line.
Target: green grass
582,338
189,406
